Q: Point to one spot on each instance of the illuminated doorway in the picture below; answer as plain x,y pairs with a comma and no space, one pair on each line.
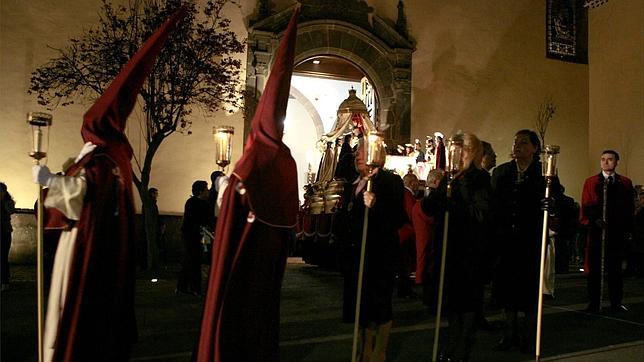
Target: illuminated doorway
318,86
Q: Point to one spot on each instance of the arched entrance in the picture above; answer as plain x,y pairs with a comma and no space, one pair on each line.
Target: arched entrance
347,30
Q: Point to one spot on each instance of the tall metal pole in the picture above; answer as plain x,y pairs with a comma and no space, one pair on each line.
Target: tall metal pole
544,238
37,120
363,246
39,271
603,251
549,171
441,280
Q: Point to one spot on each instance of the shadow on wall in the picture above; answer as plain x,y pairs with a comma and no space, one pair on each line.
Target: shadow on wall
23,245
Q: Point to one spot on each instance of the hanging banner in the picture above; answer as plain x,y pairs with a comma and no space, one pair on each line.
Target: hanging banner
567,31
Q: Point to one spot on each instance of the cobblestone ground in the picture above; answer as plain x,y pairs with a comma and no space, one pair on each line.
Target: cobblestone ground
311,329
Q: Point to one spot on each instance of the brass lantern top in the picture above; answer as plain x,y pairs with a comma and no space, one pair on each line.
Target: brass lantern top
454,155
39,119
551,149
549,163
375,152
352,104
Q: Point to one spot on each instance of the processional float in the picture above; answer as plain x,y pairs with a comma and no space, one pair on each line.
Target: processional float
39,121
324,191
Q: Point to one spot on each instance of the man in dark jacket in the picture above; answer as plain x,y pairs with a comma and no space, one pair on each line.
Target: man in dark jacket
196,216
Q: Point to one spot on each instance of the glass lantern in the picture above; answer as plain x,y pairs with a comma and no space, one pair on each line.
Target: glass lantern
223,144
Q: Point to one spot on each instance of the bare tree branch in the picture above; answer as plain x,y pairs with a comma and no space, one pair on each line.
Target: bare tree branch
544,114
195,68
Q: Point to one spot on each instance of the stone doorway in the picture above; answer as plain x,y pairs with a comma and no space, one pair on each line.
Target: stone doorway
347,30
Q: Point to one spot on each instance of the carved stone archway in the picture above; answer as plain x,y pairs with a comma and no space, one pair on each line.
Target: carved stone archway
345,29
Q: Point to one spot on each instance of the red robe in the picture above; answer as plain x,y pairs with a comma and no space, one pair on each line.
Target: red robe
97,321
406,234
241,314
620,211
423,229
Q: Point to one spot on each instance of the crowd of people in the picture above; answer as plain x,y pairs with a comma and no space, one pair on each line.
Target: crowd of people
494,238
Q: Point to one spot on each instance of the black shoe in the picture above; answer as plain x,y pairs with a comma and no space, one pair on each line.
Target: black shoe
618,308
527,348
592,309
503,345
483,325
407,293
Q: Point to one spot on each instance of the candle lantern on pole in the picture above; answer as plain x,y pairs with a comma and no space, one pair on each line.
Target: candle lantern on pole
223,145
40,123
549,172
453,165
375,154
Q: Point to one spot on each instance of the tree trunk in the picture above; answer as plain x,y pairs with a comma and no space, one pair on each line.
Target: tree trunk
151,227
150,216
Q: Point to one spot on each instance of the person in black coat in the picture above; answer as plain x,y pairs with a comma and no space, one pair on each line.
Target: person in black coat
517,191
7,207
465,264
386,216
196,215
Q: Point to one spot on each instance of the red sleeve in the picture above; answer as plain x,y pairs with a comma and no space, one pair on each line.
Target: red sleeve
423,226
589,200
406,232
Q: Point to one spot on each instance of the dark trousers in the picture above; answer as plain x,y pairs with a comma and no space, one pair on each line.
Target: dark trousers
612,268
5,239
460,335
190,276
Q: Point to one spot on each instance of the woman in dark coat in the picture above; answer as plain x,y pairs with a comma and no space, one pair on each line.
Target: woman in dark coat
386,216
465,264
518,188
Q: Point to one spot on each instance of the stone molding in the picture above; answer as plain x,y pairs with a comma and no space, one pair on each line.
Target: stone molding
374,47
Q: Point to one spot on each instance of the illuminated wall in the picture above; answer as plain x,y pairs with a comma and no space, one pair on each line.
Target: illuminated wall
28,30
616,85
478,66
